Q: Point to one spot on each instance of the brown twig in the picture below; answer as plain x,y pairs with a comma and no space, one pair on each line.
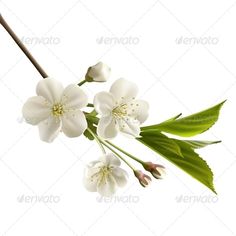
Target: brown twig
22,47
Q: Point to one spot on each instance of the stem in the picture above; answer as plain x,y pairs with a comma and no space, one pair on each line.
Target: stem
22,47
117,154
82,82
97,140
111,149
126,153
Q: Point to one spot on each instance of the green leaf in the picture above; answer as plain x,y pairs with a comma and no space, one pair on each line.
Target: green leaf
195,144
92,121
91,125
160,139
190,125
174,118
88,135
192,163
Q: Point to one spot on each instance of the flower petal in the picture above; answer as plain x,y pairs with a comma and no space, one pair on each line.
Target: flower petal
120,176
104,103
107,127
107,187
129,126
49,129
95,164
74,123
35,110
50,89
138,109
123,90
111,160
74,97
159,172
91,177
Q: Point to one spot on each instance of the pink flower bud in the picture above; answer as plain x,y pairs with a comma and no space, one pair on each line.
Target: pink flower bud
157,171
144,179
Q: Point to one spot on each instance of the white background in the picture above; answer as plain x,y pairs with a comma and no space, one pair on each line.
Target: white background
140,40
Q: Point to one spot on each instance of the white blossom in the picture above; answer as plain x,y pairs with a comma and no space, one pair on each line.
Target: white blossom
105,175
119,110
55,109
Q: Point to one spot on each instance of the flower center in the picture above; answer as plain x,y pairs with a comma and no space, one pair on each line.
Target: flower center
102,174
105,170
120,111
57,109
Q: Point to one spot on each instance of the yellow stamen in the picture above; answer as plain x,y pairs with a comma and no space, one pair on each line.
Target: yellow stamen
57,109
120,111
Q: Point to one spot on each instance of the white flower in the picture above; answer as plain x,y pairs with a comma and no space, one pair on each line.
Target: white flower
56,109
98,73
105,175
119,110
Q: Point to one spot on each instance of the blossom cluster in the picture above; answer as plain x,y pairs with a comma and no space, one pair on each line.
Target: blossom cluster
56,109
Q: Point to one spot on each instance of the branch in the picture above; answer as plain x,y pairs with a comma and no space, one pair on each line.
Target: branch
22,47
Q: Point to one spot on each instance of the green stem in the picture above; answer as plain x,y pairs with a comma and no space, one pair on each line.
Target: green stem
82,82
117,154
22,47
97,140
126,153
111,149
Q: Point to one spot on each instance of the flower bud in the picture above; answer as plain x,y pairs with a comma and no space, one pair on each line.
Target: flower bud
157,171
98,73
144,179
